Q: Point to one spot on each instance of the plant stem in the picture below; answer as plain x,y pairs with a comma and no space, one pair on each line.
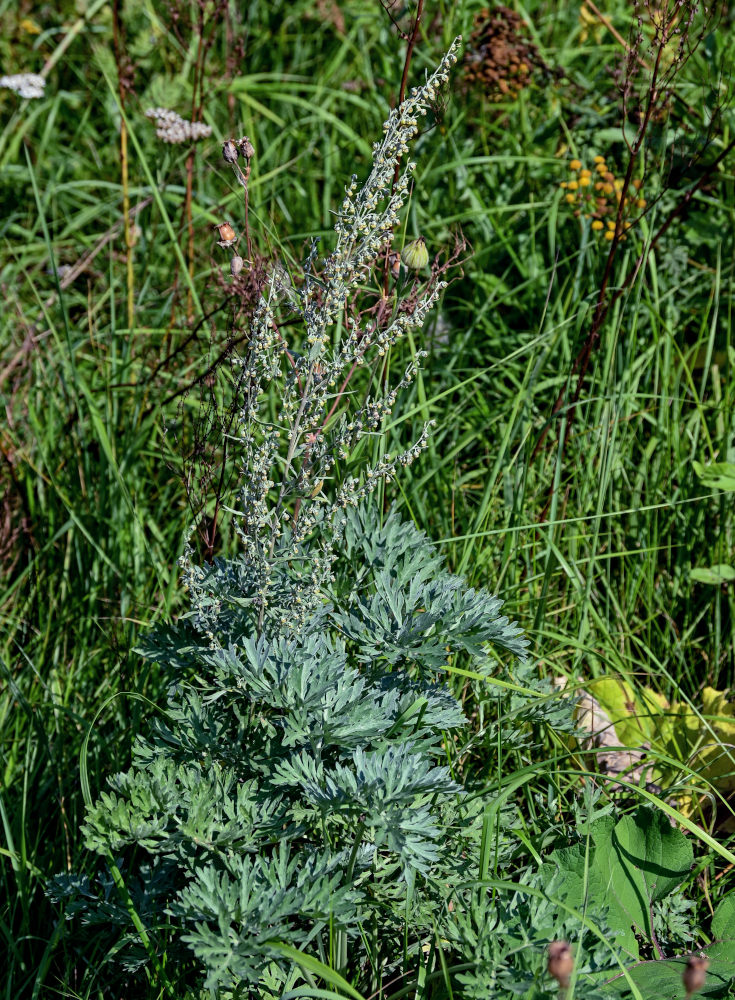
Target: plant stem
401,95
130,277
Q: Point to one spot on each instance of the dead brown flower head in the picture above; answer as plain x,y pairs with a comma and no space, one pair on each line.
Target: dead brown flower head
561,962
695,974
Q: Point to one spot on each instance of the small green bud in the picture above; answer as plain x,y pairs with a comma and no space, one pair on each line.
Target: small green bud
415,255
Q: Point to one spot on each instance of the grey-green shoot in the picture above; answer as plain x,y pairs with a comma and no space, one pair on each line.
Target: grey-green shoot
280,504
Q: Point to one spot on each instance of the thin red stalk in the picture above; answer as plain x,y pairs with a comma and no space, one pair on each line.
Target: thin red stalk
128,229
190,167
401,95
603,304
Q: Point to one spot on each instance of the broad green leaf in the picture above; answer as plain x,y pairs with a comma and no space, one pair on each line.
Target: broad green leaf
723,922
700,738
638,716
716,575
630,866
662,979
616,134
718,475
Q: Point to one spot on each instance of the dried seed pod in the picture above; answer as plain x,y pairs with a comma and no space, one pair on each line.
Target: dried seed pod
695,974
229,151
236,265
246,148
394,263
227,234
561,962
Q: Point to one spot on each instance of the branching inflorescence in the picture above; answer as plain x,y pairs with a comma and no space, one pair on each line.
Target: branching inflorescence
281,504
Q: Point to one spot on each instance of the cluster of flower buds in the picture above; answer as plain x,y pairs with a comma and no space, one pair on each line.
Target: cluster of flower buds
228,238
597,196
172,128
232,148
28,85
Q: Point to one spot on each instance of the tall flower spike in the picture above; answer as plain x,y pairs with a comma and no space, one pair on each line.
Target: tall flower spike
289,522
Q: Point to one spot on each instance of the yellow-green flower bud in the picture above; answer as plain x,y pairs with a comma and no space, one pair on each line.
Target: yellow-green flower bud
415,255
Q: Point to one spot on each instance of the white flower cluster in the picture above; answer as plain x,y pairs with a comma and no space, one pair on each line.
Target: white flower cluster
172,128
284,515
28,85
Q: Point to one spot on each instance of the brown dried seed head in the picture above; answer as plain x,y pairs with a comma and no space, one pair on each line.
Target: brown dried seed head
236,265
229,151
695,974
394,262
561,962
246,147
227,235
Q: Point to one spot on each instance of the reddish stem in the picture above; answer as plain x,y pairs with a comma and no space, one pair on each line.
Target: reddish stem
401,95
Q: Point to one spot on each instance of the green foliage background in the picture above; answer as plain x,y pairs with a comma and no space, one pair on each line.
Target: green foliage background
96,420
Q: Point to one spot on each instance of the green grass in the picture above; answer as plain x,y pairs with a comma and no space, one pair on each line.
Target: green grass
93,499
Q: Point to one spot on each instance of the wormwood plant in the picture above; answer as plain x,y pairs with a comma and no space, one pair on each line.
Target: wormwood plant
296,793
